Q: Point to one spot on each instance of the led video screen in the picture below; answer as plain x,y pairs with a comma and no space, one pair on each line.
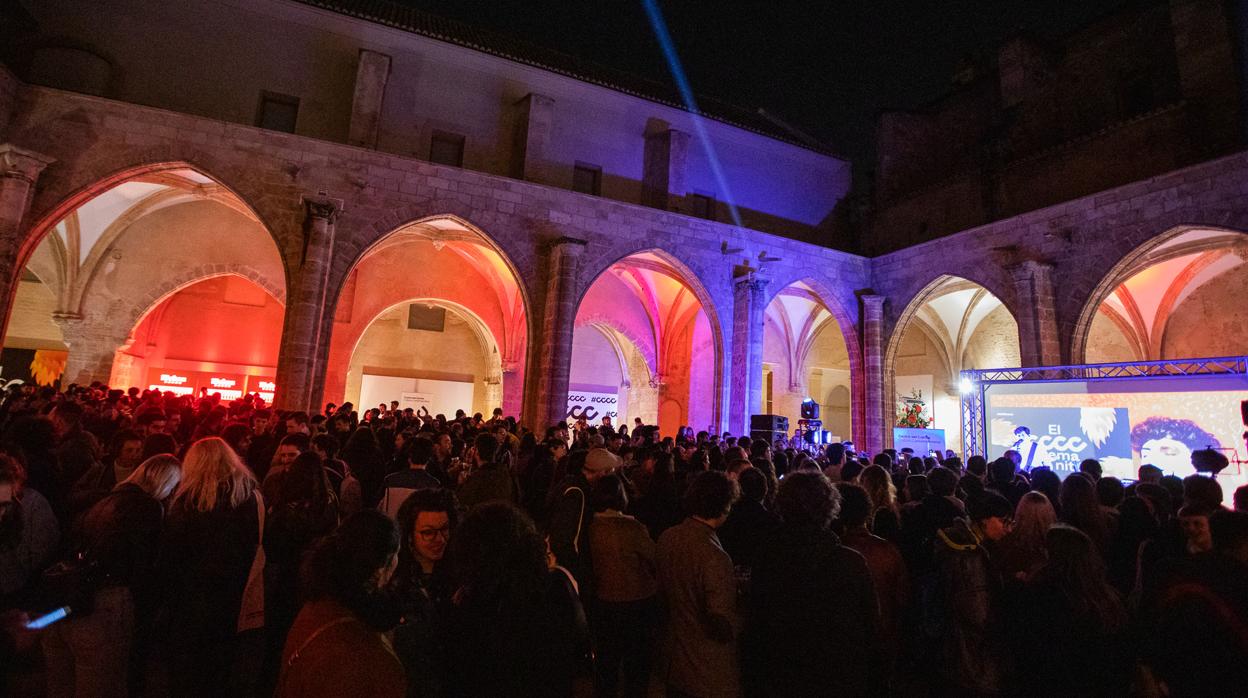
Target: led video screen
1121,423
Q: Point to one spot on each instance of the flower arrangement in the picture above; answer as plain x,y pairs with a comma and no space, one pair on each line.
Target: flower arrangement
910,411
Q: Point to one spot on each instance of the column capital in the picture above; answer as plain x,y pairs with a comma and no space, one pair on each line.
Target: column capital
21,163
320,206
873,302
567,245
69,322
754,280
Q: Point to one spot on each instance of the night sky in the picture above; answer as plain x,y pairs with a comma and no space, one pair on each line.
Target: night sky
823,67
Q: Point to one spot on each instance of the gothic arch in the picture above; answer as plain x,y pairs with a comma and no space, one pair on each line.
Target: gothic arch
1138,259
685,275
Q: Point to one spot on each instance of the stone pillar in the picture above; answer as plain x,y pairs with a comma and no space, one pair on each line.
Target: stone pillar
879,417
513,390
533,128
371,75
1038,340
553,362
92,348
745,396
300,370
19,170
664,163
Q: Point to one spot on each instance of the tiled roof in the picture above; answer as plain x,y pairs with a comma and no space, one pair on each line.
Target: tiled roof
399,16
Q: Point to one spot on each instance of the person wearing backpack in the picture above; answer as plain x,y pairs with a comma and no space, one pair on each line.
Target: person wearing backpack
342,482
571,514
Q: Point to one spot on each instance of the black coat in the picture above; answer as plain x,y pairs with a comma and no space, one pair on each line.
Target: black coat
203,563
813,621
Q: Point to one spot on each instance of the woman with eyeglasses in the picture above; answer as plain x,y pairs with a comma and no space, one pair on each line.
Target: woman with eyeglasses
426,520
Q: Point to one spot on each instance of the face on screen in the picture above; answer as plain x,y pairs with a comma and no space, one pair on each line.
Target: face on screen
1166,453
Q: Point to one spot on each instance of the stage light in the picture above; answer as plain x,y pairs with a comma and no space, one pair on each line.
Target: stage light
967,387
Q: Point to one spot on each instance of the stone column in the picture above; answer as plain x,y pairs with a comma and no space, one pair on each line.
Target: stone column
300,375
92,348
879,417
513,389
553,362
745,396
534,124
664,163
1038,340
19,170
371,76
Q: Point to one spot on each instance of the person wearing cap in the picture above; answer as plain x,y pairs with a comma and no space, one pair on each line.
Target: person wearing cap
571,514
968,598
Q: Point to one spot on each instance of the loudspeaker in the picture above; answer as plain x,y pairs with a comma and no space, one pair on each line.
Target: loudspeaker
769,436
769,422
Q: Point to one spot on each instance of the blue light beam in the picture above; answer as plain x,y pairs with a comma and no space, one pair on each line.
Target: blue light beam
657,23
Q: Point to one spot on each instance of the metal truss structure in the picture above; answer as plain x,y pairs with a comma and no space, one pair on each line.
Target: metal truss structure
974,384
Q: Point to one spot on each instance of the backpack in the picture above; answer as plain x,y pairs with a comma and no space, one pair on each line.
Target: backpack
345,488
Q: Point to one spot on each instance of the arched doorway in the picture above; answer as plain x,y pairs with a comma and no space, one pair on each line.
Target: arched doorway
1181,297
221,334
123,257
432,314
805,356
952,325
644,342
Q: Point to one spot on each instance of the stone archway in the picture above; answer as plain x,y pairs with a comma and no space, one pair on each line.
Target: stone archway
137,236
460,268
1177,296
952,324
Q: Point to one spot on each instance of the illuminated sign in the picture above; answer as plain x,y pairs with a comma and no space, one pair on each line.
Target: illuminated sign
264,386
173,379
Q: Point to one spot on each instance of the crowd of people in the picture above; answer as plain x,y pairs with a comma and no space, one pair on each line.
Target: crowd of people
205,548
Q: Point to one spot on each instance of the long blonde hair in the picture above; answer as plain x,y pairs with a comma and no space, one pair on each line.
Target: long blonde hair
880,488
212,469
1032,519
157,476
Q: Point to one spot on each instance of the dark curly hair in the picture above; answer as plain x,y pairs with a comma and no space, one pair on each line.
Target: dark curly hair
808,500
432,499
1182,430
498,559
343,566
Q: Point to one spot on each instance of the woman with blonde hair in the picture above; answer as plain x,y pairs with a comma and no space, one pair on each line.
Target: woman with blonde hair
885,513
1022,552
101,652
210,567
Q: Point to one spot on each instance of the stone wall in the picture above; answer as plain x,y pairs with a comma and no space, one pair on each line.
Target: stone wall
97,143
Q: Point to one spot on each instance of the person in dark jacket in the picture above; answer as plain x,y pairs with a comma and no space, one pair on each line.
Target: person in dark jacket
422,586
490,480
750,522
90,653
1071,614
972,657
207,550
398,486
515,627
367,462
810,592
571,514
125,453
303,512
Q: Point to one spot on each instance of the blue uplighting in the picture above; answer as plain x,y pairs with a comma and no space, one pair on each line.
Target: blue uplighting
686,94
